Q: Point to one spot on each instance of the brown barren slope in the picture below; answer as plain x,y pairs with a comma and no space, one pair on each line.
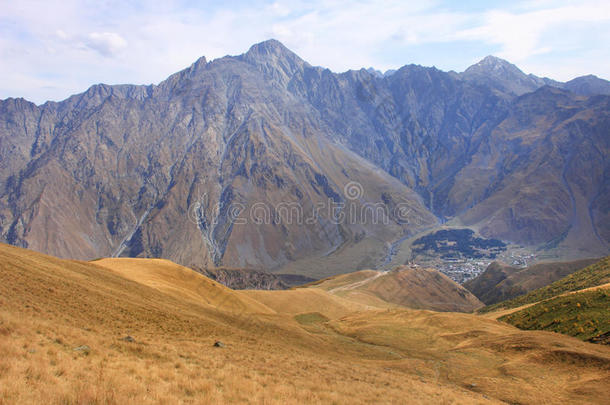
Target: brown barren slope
409,286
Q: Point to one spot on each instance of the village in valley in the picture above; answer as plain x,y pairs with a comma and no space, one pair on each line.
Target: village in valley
462,256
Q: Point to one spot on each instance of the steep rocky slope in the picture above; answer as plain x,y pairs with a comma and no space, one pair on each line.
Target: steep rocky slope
261,160
248,279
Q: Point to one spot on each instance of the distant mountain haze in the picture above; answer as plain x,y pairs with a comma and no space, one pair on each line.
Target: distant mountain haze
165,170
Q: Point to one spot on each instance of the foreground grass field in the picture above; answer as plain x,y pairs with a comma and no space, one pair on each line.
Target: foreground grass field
143,331
577,305
584,315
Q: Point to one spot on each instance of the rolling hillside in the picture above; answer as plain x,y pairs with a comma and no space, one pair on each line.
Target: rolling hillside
591,276
143,331
183,283
584,315
409,286
500,282
577,305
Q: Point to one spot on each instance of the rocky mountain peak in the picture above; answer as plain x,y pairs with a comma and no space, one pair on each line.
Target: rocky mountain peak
374,72
16,103
272,56
198,65
501,75
589,85
270,47
492,65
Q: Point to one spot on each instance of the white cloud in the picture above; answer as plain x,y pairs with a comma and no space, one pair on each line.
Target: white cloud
279,9
61,34
106,43
55,48
520,34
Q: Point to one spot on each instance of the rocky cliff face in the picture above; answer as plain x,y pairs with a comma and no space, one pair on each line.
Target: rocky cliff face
259,160
248,279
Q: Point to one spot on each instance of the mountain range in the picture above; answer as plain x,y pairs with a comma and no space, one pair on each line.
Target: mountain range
264,161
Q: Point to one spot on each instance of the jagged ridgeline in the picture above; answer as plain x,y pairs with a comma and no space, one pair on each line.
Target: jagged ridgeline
203,167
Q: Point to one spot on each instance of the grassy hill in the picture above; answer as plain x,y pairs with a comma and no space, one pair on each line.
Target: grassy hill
409,286
64,326
584,315
591,276
182,283
500,282
293,302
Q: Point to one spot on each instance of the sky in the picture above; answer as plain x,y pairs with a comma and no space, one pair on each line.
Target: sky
51,49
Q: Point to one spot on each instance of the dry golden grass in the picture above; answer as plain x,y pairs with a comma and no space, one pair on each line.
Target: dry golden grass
308,300
341,280
49,307
183,283
487,357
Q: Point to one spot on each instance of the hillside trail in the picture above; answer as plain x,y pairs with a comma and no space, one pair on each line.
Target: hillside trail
501,313
357,284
